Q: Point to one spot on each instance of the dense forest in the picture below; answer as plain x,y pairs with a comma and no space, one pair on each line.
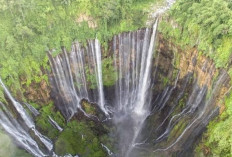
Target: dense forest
31,28
207,25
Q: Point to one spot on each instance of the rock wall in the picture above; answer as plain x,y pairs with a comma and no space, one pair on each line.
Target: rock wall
187,94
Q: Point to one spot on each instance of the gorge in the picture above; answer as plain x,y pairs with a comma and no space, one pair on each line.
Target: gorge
142,95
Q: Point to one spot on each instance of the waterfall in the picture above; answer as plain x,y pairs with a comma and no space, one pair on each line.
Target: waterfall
55,124
63,84
96,55
19,134
78,75
19,126
107,149
74,74
133,53
202,116
27,120
33,110
145,81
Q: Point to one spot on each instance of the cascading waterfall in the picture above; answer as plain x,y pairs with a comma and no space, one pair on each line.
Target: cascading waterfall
64,85
15,121
133,53
69,77
131,106
202,111
77,75
34,111
96,60
20,126
55,124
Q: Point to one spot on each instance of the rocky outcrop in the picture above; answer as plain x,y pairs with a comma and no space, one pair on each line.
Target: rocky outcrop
38,92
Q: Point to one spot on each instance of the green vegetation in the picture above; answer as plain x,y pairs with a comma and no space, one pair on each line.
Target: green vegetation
109,73
177,130
78,138
218,138
88,107
8,149
165,80
181,104
205,24
44,125
30,28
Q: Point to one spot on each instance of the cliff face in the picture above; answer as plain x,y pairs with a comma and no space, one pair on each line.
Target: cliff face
38,93
190,60
187,94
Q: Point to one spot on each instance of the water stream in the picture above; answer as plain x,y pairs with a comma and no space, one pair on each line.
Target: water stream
78,75
132,60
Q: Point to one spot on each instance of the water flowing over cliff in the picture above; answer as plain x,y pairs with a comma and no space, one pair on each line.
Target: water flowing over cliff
18,126
149,115
69,78
133,54
159,100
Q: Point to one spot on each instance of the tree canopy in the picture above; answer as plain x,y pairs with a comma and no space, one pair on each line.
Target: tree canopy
30,28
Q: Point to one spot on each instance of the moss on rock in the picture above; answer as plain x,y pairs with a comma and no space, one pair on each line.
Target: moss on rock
78,138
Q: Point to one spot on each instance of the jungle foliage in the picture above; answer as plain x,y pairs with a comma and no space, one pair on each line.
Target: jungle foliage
217,140
206,25
30,28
